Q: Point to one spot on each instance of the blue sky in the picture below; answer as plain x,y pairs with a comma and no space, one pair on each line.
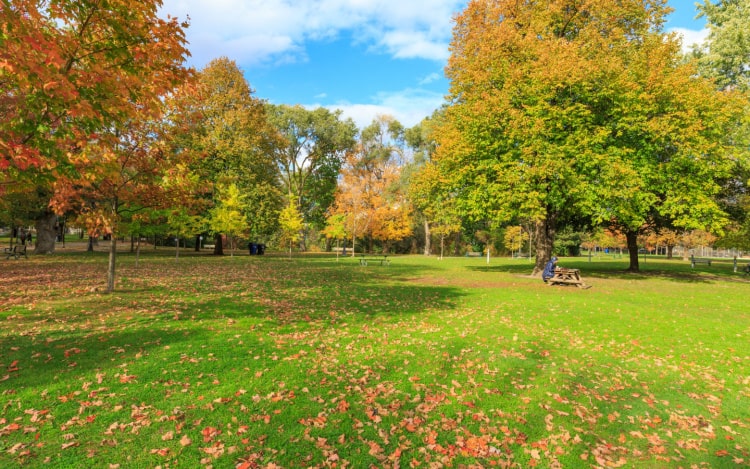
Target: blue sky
365,57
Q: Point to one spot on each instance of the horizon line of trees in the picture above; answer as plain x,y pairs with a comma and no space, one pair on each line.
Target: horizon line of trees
568,116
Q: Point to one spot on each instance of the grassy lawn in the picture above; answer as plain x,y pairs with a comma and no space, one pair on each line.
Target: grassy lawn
310,362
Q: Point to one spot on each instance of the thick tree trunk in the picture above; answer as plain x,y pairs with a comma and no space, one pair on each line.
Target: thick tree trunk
670,250
218,245
111,264
428,240
632,238
546,230
46,234
197,243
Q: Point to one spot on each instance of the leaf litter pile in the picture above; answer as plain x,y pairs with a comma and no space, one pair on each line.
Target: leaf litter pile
270,362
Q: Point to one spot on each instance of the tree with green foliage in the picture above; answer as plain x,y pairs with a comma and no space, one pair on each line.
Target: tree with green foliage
559,112
430,198
238,142
310,155
725,56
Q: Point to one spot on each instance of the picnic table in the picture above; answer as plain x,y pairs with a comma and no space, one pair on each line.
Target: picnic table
565,276
383,260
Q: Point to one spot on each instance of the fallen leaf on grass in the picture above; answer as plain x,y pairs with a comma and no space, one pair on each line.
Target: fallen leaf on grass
161,451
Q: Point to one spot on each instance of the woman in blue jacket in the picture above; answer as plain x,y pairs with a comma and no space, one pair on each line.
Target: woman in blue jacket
549,269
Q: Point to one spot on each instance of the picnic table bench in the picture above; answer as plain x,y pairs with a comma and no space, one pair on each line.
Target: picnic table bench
695,260
383,260
565,276
16,251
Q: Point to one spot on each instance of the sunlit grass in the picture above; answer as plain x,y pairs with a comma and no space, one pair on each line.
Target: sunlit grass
318,362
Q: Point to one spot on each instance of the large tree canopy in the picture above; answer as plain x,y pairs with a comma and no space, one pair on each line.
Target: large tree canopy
726,54
237,141
310,155
70,71
578,109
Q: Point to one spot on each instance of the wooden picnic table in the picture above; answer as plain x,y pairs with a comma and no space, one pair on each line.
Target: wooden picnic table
565,276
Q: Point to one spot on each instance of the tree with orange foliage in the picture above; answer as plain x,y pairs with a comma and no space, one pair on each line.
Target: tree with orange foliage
370,194
127,170
71,73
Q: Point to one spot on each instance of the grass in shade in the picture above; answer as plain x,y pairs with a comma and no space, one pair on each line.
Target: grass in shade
265,361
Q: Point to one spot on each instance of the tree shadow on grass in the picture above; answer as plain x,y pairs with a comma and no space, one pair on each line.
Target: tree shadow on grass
673,272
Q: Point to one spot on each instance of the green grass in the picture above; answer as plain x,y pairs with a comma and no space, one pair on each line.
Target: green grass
310,362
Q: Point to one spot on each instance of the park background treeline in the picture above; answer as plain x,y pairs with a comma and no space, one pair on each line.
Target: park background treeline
566,121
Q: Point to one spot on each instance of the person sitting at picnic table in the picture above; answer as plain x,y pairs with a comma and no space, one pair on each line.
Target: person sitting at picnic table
549,269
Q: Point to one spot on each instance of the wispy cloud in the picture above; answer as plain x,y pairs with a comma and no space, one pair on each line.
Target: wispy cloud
691,37
408,106
431,78
256,32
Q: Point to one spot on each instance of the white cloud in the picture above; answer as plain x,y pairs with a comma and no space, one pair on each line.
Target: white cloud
408,106
691,37
266,31
432,77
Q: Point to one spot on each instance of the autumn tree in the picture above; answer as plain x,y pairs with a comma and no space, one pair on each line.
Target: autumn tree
668,238
69,72
370,194
125,171
237,142
229,216
725,58
514,238
336,229
310,154
290,222
676,140
580,110
430,195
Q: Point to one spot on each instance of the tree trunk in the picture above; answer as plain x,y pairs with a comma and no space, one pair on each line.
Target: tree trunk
428,240
218,246
138,252
457,244
632,237
670,250
546,230
46,234
197,243
111,264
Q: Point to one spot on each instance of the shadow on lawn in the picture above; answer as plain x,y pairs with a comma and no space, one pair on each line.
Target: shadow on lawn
674,272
